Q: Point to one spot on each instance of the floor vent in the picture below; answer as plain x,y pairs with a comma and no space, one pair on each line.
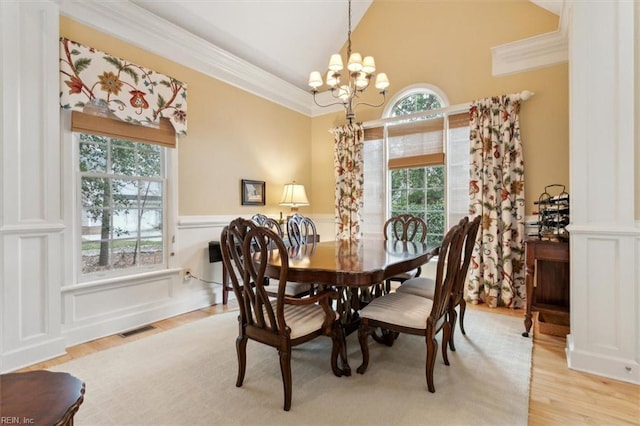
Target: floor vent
136,331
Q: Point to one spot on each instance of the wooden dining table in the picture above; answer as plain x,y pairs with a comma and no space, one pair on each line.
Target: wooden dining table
352,267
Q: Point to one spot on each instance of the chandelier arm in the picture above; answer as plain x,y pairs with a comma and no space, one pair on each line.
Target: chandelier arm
327,105
372,105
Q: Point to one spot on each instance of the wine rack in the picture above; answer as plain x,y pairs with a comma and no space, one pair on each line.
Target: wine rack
553,213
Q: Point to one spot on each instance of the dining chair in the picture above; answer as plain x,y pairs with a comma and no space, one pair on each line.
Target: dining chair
301,230
425,287
404,227
411,314
283,322
264,220
301,233
293,289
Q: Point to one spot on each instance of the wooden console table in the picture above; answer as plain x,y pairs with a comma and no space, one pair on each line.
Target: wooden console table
547,282
40,398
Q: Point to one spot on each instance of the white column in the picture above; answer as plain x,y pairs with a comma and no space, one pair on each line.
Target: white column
31,225
605,240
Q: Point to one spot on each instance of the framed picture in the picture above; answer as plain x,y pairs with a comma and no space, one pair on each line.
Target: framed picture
252,192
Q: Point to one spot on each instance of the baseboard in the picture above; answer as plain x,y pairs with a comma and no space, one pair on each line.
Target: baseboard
602,365
29,355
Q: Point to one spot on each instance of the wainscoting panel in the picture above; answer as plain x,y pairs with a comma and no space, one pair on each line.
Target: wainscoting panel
33,284
95,310
602,288
30,220
101,301
604,303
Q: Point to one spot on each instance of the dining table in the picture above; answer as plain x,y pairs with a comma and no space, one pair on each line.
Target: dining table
356,269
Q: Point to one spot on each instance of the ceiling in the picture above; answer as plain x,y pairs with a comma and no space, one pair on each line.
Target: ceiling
260,31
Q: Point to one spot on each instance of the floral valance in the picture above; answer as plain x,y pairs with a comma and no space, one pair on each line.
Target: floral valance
132,93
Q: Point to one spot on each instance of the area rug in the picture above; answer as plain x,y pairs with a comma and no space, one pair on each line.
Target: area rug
186,376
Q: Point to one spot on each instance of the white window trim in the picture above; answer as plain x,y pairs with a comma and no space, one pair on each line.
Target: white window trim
412,89
70,210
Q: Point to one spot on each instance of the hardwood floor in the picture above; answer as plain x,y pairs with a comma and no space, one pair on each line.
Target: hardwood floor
558,396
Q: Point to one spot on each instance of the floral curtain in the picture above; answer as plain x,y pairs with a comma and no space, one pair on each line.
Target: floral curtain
347,161
131,92
496,190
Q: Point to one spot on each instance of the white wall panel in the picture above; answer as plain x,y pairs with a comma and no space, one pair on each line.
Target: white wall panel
602,289
605,280
32,284
97,302
31,218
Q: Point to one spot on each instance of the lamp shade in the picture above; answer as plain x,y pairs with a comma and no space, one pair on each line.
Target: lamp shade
294,195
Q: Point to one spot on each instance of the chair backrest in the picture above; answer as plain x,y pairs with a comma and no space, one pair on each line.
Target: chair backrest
446,274
470,233
301,230
405,227
264,220
246,250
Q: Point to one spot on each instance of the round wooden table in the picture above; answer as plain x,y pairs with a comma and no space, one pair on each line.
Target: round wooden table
40,397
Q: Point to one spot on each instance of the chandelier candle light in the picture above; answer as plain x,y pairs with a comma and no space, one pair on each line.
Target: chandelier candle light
359,74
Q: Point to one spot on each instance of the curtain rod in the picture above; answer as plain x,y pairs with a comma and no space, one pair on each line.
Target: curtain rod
524,95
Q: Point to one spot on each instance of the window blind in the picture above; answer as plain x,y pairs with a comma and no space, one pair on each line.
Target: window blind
88,123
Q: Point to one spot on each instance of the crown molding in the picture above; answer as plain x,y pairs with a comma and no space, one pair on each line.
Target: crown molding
135,25
534,52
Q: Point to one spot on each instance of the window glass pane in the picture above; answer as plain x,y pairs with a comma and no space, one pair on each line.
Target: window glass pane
151,194
151,251
125,193
151,223
125,223
93,154
416,178
398,179
416,102
124,253
122,207
95,192
149,160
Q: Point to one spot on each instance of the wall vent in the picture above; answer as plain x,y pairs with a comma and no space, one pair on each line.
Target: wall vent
136,331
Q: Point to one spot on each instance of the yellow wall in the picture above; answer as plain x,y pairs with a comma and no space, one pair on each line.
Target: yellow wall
232,135
448,44
235,135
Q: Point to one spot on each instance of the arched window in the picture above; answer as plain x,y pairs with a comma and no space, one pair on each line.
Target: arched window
405,166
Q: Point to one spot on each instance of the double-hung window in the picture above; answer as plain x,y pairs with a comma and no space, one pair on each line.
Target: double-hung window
417,165
121,193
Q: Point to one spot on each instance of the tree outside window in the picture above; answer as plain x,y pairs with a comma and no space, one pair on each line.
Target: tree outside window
122,204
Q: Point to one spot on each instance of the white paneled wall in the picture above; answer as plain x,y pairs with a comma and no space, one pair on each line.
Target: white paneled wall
605,280
30,219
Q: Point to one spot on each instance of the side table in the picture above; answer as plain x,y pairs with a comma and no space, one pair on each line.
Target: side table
40,398
547,281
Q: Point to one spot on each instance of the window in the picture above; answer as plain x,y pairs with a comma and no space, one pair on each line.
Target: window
407,157
121,193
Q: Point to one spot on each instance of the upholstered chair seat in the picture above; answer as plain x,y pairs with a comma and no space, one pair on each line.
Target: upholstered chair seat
419,286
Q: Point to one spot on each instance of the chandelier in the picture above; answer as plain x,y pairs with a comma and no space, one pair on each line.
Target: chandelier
358,76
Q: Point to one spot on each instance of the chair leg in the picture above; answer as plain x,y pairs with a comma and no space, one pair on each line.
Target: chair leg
432,351
446,338
463,308
285,370
241,350
363,335
452,322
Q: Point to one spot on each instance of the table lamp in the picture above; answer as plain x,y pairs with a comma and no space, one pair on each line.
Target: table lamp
294,195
